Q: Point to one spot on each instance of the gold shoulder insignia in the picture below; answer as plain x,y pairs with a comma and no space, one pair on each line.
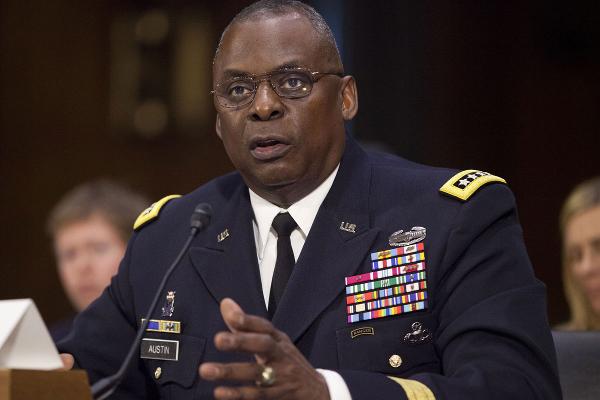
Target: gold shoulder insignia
152,212
415,390
465,183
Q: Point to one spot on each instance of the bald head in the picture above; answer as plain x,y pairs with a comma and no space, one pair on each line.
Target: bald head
266,9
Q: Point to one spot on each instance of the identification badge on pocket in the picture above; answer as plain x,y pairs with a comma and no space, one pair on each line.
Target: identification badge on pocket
159,349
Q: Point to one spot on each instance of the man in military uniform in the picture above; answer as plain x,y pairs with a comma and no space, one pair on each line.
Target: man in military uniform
326,271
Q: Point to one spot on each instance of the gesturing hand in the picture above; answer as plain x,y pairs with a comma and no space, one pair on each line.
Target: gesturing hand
280,370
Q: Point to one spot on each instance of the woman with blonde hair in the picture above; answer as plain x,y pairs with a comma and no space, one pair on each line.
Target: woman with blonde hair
580,229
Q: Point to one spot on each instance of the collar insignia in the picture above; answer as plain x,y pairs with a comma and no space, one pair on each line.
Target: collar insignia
348,227
223,235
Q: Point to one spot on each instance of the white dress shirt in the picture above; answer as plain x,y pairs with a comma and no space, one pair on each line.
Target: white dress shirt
304,212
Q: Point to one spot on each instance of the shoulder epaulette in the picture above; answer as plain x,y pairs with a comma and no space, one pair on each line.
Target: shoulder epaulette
152,212
467,182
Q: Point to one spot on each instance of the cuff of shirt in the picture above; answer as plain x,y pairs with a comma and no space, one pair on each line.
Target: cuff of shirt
338,390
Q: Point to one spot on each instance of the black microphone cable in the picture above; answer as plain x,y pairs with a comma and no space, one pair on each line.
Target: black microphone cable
106,386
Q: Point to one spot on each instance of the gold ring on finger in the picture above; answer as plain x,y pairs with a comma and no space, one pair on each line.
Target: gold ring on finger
267,376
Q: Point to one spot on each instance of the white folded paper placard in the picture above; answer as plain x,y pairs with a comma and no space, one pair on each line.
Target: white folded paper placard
24,340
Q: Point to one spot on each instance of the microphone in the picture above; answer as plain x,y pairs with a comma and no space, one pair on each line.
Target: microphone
201,216
199,220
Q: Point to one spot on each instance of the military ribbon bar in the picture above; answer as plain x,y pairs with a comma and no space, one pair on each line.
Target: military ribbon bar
386,312
397,285
387,302
394,261
384,273
397,251
383,283
165,326
386,292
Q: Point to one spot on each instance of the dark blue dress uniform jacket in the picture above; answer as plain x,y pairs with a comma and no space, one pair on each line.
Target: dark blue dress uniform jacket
486,311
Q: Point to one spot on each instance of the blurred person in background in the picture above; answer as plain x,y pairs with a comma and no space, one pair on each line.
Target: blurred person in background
90,227
580,229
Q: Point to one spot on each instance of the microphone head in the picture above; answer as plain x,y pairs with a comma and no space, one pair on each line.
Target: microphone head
201,216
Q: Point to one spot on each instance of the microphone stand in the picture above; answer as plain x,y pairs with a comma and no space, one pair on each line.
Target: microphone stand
106,386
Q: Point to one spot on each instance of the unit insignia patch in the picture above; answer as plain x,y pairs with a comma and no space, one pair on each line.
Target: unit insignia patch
365,330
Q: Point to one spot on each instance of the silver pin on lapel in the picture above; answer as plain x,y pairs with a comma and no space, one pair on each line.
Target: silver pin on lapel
223,235
169,307
348,227
418,334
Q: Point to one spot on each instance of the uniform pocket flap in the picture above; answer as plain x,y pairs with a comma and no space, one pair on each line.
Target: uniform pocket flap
391,347
180,368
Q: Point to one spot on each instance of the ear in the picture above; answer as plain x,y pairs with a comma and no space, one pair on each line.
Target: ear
218,126
349,97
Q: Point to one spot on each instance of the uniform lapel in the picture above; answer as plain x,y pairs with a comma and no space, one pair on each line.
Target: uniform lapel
330,253
229,267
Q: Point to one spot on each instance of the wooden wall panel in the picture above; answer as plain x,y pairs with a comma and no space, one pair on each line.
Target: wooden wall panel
510,87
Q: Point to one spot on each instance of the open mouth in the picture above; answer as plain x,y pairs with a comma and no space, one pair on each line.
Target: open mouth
268,149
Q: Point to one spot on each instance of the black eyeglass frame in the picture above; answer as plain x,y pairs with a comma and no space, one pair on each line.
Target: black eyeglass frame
258,79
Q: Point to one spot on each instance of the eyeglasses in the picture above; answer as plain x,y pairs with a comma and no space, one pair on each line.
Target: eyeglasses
292,83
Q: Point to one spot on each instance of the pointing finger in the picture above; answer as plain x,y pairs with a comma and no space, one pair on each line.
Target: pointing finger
237,320
232,313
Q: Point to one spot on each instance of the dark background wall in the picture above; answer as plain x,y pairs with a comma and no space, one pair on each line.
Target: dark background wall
508,87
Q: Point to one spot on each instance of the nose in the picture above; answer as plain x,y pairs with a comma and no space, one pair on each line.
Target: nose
590,262
267,104
83,263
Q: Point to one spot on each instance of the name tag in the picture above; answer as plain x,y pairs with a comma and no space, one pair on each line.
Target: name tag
159,349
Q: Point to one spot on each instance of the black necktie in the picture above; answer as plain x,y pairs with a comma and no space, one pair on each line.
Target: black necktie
283,224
